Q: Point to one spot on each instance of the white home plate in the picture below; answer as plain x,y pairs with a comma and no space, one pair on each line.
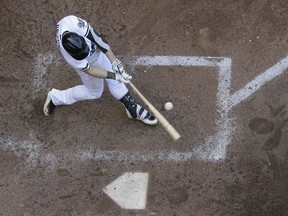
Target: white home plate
129,190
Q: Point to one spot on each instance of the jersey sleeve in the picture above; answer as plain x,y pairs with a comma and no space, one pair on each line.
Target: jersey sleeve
98,38
78,25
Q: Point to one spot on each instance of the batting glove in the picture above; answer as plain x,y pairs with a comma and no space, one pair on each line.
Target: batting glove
120,78
118,68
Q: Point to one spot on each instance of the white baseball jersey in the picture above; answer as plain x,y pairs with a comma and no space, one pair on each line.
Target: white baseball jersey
93,38
93,87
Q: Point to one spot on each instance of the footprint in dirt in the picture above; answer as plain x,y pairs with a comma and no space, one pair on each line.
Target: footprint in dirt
263,126
177,195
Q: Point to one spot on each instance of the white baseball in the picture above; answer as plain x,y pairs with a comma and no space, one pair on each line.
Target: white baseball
168,106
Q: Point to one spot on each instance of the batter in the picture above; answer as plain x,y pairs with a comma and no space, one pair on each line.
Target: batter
87,51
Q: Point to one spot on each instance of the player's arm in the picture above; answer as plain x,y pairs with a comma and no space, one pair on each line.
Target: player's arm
96,72
102,73
98,38
102,44
111,55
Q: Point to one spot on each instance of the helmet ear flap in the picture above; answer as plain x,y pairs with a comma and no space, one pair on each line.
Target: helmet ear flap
75,45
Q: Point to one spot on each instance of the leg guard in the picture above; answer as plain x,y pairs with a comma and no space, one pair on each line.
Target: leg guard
136,111
130,104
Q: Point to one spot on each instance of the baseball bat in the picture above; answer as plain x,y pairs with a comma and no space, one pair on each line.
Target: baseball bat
165,124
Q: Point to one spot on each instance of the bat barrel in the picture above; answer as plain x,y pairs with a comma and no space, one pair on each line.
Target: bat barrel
165,124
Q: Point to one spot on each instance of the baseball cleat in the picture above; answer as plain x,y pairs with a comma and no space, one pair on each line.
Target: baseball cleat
48,106
143,115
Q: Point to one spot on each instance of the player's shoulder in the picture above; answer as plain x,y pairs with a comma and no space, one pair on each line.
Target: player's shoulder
74,20
68,18
74,23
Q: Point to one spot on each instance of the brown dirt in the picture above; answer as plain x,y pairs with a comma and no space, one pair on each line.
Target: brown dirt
43,170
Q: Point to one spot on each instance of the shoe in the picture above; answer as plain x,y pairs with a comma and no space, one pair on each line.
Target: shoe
48,106
143,115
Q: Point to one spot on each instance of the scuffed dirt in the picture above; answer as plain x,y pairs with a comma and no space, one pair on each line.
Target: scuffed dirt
49,166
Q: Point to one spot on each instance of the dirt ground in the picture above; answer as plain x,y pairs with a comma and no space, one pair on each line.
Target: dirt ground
60,165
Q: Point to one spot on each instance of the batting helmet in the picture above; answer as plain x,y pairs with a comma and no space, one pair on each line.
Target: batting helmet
75,45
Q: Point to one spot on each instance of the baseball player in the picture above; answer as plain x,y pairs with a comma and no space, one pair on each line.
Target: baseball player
86,50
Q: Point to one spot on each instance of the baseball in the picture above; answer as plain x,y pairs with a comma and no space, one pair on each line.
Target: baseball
168,106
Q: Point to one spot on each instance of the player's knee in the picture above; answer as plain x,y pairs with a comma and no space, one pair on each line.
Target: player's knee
118,90
94,94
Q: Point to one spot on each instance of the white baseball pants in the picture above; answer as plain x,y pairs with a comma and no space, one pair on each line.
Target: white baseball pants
92,87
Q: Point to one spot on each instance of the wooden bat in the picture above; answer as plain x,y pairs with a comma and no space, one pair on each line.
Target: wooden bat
165,124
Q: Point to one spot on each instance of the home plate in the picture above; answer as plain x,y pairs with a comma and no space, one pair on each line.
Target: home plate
129,190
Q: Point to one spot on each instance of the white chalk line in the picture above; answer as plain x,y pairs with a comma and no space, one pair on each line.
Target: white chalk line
214,148
210,152
41,65
136,156
42,62
32,151
187,61
254,85
26,148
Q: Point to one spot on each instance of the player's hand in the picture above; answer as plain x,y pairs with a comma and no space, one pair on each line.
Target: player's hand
125,75
120,78
117,66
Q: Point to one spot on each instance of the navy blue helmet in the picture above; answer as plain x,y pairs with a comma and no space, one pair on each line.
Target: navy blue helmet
75,45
